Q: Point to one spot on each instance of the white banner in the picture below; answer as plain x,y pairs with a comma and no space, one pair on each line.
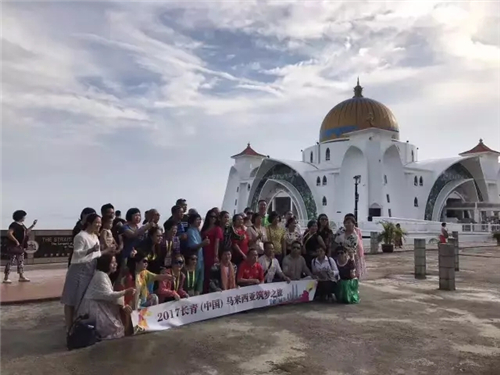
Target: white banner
214,305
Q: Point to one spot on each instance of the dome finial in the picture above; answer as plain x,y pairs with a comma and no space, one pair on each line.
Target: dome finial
358,90
480,140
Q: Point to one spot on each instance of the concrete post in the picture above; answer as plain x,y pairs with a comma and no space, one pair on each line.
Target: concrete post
420,258
446,266
457,247
373,242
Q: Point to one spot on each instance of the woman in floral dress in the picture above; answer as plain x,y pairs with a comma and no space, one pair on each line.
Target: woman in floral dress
350,237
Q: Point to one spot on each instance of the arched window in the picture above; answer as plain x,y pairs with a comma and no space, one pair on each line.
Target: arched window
415,202
236,202
311,157
324,180
421,181
412,156
324,201
415,181
327,154
237,189
248,187
385,179
388,198
318,181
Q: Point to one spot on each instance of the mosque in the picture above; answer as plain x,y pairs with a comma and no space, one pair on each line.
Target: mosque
360,166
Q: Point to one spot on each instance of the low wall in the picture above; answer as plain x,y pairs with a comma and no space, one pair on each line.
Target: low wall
44,246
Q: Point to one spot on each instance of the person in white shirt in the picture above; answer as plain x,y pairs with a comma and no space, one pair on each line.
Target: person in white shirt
325,269
86,250
270,265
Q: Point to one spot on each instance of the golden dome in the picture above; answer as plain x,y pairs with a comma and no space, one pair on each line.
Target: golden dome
357,113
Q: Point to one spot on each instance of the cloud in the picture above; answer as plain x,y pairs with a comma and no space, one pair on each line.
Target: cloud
142,103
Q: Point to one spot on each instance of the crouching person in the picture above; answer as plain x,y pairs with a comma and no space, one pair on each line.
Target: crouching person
106,308
143,280
347,288
325,270
172,288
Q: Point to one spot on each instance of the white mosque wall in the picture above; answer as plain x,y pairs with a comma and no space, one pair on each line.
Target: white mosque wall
231,195
395,186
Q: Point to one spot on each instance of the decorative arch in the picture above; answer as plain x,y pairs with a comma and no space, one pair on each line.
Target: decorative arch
318,181
291,180
324,180
415,181
415,202
327,154
452,177
421,181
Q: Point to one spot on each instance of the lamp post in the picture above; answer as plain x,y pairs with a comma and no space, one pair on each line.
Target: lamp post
357,180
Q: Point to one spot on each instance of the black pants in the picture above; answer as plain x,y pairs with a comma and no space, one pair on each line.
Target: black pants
325,288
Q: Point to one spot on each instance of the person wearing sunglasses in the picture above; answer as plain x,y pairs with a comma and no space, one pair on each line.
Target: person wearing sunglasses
193,284
346,290
143,281
294,264
215,235
172,288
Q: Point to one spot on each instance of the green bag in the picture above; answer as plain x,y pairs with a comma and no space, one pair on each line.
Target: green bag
347,291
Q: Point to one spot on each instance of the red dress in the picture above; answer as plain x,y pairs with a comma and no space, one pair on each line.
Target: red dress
242,243
210,252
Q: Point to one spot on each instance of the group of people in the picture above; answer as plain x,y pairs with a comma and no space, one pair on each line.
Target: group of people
123,264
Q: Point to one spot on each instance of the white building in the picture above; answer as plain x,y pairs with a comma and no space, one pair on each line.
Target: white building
360,137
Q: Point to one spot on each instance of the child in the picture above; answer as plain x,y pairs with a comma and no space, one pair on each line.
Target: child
347,287
106,237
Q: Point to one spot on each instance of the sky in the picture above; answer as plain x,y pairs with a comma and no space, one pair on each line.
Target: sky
141,103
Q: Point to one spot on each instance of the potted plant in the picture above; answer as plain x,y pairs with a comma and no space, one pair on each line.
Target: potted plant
496,236
388,234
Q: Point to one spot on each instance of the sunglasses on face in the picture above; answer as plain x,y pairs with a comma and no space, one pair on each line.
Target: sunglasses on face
179,262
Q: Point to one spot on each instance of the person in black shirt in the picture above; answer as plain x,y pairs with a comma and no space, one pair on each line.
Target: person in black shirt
17,236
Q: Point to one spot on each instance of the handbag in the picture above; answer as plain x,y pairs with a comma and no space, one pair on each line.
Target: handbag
82,332
15,250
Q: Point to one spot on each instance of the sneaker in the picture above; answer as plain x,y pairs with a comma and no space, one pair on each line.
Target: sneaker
23,279
6,281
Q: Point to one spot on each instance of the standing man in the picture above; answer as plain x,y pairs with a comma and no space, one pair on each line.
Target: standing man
263,212
183,204
176,219
107,210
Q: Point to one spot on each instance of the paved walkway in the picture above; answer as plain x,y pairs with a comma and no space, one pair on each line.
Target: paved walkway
46,284
47,280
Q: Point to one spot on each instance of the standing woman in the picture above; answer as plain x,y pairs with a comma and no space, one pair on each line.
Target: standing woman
150,247
312,242
17,234
257,234
194,242
350,237
86,250
325,232
276,235
79,226
215,235
291,235
239,239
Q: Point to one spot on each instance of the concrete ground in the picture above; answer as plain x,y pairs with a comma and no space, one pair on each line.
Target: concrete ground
402,326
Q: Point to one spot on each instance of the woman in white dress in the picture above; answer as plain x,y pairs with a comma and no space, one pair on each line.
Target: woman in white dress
104,306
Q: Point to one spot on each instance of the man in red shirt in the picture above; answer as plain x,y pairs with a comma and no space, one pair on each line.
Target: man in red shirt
250,271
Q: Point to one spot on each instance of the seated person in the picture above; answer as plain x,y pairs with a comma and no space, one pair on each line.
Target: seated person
223,274
172,288
104,306
347,288
294,264
250,271
270,265
194,279
325,269
143,280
